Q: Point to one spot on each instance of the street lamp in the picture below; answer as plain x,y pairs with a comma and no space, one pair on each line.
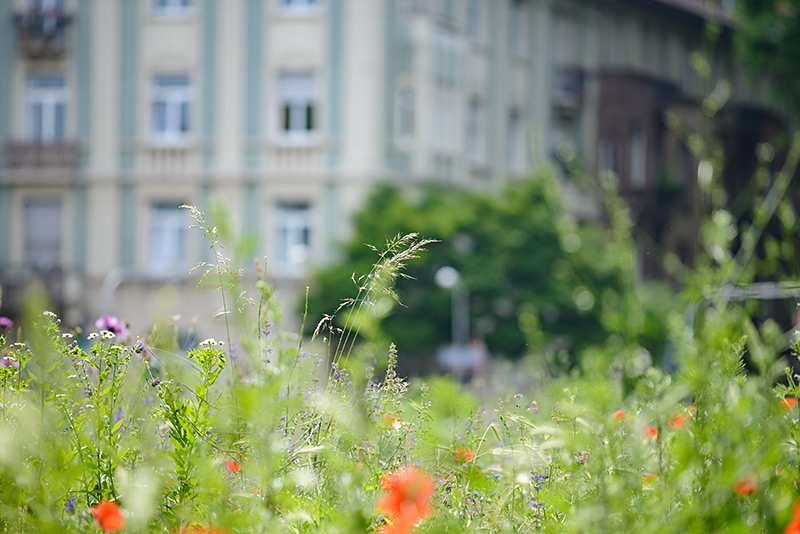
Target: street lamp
449,278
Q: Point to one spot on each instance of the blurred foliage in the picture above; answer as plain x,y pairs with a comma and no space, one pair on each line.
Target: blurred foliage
537,279
767,33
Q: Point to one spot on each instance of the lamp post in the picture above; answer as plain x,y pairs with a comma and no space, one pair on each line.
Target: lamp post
449,278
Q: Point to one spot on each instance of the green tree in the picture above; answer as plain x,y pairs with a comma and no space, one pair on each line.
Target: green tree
767,35
536,279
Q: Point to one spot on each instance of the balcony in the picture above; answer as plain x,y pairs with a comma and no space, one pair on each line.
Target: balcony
32,155
42,33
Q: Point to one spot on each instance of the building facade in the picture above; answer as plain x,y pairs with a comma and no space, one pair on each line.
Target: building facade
114,113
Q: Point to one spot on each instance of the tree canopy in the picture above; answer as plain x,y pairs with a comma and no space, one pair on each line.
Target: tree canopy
536,278
767,37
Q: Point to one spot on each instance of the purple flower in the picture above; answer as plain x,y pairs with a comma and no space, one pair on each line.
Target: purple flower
5,322
112,324
69,506
9,361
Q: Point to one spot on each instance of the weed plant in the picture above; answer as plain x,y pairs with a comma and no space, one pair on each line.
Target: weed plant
263,437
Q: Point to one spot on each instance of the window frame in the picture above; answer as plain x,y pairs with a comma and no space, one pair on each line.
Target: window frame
171,8
45,5
518,29
173,98
476,131
476,22
516,151
171,222
299,7
46,128
637,173
53,257
404,114
297,114
293,229
444,121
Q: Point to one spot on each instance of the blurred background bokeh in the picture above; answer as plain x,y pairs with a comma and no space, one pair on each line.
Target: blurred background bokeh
114,113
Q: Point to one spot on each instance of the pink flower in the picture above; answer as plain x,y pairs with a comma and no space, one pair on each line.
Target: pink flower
112,324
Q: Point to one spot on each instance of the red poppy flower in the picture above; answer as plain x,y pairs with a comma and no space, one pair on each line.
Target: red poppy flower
788,403
690,412
619,415
794,525
650,432
408,491
747,485
108,516
233,465
649,478
676,420
393,421
463,454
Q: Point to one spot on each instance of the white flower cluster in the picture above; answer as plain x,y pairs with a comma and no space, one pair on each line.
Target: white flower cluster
210,342
49,314
93,335
107,334
66,335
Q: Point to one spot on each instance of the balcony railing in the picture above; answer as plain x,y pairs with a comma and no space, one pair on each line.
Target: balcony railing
42,32
31,155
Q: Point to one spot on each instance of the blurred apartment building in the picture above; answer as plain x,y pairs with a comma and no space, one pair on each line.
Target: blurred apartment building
113,113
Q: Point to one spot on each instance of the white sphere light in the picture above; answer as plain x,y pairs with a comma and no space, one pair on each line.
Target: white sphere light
447,277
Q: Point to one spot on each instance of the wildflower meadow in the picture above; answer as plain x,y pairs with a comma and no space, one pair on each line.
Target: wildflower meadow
254,433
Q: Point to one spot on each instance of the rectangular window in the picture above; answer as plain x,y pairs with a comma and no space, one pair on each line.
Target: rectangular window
518,29
42,242
46,108
168,227
171,108
608,156
298,6
297,108
404,114
444,121
475,21
476,132
171,7
47,5
448,55
638,157
516,143
293,223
